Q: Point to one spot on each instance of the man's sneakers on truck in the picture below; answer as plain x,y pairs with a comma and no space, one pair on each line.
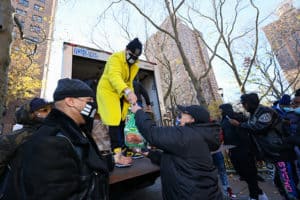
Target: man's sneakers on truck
133,154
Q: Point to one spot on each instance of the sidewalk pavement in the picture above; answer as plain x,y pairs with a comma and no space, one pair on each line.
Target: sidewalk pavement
241,190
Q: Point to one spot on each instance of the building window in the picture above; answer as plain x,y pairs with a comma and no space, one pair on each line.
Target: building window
21,12
24,2
38,7
37,18
35,28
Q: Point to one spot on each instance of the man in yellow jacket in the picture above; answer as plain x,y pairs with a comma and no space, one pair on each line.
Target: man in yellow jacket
115,93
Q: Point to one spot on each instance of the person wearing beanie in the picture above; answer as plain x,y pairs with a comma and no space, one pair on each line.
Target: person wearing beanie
186,165
261,128
115,93
61,160
283,106
30,116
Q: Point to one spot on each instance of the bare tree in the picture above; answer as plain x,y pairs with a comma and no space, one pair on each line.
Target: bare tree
6,25
172,10
23,76
271,81
224,32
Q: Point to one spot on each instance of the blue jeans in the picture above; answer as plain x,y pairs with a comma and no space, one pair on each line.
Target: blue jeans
218,159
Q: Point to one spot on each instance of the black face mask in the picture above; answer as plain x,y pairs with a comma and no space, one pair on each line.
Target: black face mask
88,114
130,58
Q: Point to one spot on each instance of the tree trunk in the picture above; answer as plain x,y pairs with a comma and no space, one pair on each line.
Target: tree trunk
6,26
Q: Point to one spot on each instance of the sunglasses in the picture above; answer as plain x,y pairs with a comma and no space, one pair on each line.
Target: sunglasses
44,110
133,56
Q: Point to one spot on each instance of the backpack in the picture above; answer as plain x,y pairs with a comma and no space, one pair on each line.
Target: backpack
271,145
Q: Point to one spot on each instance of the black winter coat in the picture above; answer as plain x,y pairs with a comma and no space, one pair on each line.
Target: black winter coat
187,169
58,162
233,135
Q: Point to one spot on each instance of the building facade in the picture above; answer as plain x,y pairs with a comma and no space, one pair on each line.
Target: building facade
176,83
32,34
284,38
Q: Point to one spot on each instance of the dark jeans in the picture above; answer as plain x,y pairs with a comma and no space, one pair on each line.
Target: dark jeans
116,134
245,165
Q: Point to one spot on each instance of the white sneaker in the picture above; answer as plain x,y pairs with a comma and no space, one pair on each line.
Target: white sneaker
262,196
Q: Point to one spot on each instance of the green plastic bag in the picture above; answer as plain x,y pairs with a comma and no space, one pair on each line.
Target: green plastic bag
133,138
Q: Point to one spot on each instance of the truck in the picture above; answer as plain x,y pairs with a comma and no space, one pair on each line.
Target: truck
87,64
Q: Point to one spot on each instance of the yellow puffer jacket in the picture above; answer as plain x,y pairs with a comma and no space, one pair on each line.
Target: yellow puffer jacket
116,77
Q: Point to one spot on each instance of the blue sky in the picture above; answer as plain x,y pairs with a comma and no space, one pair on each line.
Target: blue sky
75,20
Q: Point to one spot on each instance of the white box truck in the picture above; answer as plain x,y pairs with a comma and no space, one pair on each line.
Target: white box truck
88,64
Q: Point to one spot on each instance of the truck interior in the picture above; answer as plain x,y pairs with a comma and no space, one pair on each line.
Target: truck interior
90,70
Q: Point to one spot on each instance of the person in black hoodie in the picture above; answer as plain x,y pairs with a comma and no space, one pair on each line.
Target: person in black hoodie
241,156
187,169
61,160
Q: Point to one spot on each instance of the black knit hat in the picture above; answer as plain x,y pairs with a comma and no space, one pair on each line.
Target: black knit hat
37,103
285,100
72,88
135,46
250,98
199,113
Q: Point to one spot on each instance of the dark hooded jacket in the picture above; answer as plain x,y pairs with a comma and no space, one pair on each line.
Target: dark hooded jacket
59,163
187,169
233,135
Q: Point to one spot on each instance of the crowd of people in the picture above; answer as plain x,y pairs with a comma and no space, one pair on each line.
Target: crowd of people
67,149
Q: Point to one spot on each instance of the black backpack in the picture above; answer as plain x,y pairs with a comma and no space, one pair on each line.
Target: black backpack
271,145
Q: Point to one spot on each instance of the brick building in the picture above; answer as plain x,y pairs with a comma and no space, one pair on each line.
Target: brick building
163,50
35,17
284,38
